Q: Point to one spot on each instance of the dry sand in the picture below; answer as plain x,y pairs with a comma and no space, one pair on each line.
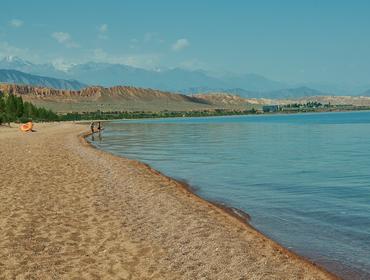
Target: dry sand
69,211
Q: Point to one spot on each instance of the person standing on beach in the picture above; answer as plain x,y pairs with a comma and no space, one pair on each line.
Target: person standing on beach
92,127
99,130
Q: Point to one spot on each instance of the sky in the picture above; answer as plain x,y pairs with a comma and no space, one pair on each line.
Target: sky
290,41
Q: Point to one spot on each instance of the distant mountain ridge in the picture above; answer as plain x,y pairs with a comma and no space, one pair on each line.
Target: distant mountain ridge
295,93
286,93
18,77
177,79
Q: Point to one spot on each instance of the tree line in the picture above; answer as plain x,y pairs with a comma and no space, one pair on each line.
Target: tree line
14,109
98,115
310,104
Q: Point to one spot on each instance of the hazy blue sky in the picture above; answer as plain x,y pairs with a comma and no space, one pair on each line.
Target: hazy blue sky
291,41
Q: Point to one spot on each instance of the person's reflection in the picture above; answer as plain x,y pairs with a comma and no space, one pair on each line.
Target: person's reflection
92,127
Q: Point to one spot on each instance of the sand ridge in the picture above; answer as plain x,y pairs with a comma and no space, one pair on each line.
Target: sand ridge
69,211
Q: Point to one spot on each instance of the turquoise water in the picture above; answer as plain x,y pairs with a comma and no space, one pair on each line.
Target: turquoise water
304,179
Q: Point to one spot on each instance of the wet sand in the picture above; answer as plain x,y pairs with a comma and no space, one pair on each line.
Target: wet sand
69,211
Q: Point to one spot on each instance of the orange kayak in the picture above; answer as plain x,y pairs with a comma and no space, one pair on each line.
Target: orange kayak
26,127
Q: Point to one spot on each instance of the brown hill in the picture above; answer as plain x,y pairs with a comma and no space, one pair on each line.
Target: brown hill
120,98
224,100
124,98
229,100
339,100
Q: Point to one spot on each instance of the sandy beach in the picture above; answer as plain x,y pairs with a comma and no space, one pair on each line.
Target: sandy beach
69,211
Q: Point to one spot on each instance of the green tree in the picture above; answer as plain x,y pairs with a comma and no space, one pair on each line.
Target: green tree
11,107
18,106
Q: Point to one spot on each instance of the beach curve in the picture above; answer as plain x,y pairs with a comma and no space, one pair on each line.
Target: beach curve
72,211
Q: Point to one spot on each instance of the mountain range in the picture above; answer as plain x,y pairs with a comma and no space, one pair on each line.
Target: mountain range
296,92
17,77
178,80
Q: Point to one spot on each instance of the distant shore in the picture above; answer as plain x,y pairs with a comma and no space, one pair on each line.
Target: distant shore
69,210
190,114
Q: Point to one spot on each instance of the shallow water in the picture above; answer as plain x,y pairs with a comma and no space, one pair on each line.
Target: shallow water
304,179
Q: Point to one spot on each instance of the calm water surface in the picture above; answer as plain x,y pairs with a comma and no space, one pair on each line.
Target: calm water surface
304,179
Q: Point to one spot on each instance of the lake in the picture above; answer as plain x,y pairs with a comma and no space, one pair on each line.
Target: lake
303,178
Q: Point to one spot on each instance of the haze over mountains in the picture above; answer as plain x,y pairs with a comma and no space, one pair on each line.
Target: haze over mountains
106,74
176,80
17,77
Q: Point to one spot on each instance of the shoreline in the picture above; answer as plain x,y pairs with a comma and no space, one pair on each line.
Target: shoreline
280,113
239,215
79,212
